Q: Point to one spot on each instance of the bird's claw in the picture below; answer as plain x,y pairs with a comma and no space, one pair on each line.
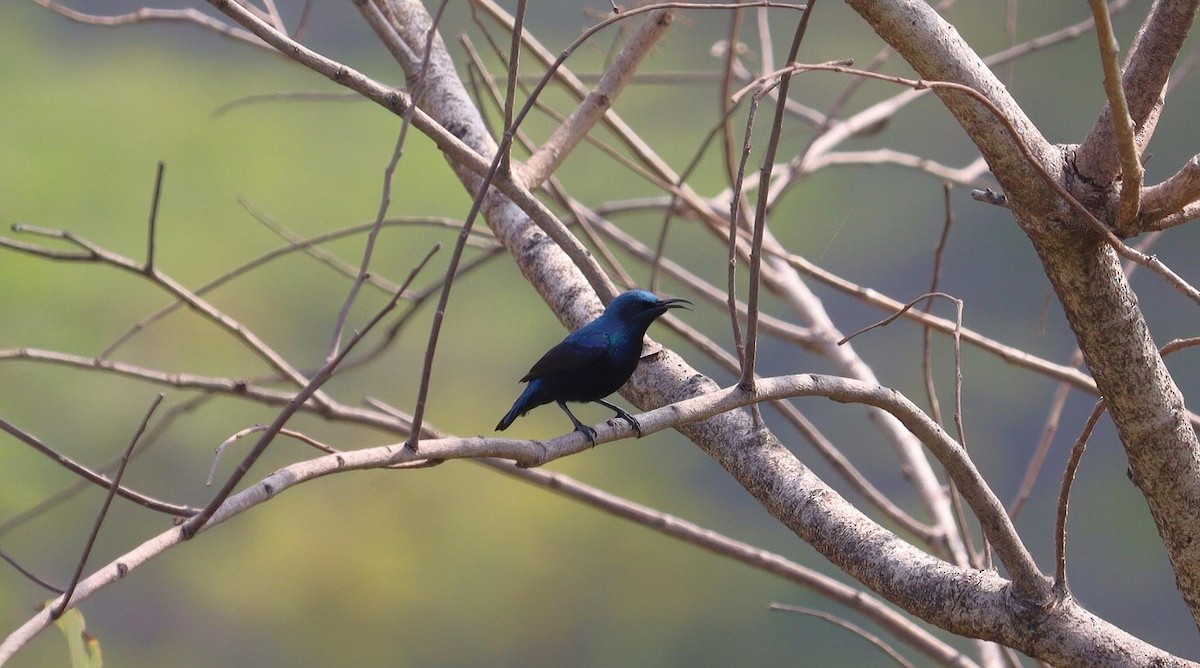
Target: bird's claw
637,426
589,432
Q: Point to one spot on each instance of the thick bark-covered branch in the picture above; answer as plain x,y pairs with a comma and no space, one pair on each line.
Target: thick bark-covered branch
1163,201
1146,405
937,52
972,603
1151,57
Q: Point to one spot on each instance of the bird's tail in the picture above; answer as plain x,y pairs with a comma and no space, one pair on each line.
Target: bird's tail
528,400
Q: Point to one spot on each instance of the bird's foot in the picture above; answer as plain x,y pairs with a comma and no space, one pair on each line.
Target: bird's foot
587,431
637,426
624,415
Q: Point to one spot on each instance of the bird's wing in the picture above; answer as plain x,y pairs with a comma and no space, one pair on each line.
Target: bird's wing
577,350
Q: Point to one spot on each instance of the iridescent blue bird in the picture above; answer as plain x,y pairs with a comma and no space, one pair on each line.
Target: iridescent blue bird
594,361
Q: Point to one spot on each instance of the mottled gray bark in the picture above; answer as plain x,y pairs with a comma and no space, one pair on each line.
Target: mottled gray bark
1100,305
972,603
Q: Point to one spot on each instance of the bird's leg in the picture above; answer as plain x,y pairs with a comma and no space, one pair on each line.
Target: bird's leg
637,426
579,426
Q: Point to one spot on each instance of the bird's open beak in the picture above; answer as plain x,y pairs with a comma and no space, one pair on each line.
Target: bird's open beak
667,304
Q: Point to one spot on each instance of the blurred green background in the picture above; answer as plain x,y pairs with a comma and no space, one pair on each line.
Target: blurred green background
457,565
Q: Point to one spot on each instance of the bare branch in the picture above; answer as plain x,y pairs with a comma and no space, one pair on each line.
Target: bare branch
151,15
152,232
197,521
65,599
735,218
309,246
510,90
524,452
867,604
1060,525
385,198
1161,203
838,389
853,628
1148,66
1150,262
242,433
1057,404
760,211
1123,125
939,250
29,575
94,477
94,253
968,175
546,159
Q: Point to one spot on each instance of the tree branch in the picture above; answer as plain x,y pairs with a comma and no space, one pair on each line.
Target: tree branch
1123,126
547,158
1085,271
1148,65
1066,632
1162,202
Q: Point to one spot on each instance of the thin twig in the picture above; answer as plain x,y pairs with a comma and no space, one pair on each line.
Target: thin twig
1131,164
760,211
94,253
935,408
971,174
152,232
732,37
385,198
73,489
196,522
295,96
893,317
1057,404
151,15
242,433
735,216
315,251
1060,527
29,575
94,477
296,244
547,158
510,90
59,609
1060,524
1150,262
851,627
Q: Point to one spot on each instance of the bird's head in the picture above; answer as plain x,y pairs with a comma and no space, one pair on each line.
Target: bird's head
641,306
